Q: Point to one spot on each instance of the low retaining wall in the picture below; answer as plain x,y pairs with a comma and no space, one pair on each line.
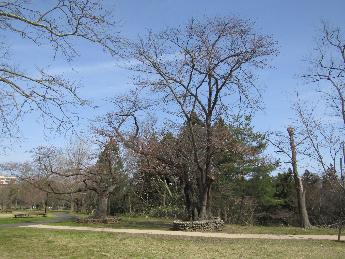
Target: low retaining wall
202,225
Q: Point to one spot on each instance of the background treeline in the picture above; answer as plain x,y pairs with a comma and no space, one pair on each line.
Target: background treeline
248,187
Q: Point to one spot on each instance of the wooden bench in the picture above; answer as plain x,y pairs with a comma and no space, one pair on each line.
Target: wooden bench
6,211
30,214
21,215
38,213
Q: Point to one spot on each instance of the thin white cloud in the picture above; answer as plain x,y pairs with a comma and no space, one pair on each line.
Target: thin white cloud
84,68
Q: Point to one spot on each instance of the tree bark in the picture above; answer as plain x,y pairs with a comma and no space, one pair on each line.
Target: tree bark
46,203
129,204
302,209
225,214
188,200
72,204
102,206
209,202
164,199
204,196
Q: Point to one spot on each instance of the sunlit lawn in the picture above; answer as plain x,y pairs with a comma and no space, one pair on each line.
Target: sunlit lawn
279,230
39,243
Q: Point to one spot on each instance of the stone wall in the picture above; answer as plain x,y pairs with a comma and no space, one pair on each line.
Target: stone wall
215,224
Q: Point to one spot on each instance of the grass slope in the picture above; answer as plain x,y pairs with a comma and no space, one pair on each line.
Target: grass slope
34,243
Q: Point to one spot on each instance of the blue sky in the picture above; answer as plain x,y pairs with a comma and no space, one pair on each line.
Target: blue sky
294,24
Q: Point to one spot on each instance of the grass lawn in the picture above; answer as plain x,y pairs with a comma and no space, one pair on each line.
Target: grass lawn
137,222
165,224
39,243
8,218
279,230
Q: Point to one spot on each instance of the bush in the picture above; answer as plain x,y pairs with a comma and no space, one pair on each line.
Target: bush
167,212
202,225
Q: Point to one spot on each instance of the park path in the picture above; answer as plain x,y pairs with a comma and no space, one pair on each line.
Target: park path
188,234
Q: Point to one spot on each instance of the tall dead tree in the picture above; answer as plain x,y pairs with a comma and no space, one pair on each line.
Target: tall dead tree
300,191
342,192
322,119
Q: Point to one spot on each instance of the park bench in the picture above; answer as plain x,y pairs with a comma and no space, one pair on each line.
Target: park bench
21,215
38,213
7,211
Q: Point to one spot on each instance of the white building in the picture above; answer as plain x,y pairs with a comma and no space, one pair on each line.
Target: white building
7,179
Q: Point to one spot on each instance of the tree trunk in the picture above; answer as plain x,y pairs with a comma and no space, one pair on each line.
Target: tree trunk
240,218
188,200
72,203
225,214
342,193
302,209
102,206
83,209
209,202
305,223
195,213
46,203
163,199
203,202
129,204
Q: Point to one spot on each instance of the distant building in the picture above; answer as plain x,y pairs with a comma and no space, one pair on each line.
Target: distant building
7,179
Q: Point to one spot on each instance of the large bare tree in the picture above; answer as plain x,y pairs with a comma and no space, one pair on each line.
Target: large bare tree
59,24
327,70
74,171
323,123
204,69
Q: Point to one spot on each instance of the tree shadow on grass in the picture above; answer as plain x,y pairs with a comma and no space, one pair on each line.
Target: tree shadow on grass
132,222
142,224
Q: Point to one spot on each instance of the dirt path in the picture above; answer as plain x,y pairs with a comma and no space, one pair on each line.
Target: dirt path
189,234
